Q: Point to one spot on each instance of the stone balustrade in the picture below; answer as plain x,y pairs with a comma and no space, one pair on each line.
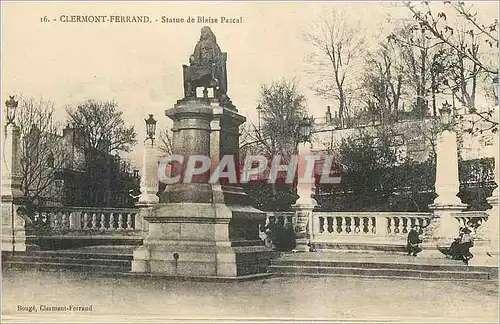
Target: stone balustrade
87,219
471,219
366,227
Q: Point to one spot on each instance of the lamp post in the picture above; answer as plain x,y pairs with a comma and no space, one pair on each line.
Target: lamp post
305,203
11,105
259,110
150,128
149,176
13,233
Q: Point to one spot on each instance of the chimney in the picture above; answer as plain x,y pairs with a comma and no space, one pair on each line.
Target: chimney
328,117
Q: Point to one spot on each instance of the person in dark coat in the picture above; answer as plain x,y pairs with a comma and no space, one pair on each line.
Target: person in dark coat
413,241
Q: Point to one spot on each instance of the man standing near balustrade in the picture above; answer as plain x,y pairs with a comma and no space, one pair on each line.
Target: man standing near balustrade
414,241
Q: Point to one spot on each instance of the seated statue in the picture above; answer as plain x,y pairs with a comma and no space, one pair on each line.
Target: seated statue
207,68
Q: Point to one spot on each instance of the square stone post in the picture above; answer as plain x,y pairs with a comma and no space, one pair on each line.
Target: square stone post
486,247
305,204
13,222
444,226
148,199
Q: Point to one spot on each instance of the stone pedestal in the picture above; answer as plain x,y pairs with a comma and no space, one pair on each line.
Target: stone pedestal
149,176
486,243
305,204
444,226
485,249
13,225
202,228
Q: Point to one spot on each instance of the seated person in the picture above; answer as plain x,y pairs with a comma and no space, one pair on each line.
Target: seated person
413,241
459,249
466,243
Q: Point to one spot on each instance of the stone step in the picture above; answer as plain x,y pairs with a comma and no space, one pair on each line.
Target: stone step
47,266
377,265
97,260
377,272
79,255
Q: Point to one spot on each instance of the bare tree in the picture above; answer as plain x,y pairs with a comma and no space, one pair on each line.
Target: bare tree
282,110
437,24
383,83
338,45
165,141
423,61
43,151
460,29
102,126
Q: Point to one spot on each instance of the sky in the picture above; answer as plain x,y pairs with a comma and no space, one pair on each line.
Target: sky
140,65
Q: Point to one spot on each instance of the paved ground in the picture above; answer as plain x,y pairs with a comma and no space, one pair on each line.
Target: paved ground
329,298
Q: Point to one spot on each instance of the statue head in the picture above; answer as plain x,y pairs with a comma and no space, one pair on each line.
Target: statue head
207,34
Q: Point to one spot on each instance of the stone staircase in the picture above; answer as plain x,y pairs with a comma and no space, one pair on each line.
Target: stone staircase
377,265
116,259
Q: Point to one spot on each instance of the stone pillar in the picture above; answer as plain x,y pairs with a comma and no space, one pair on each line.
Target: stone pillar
148,185
149,176
203,228
305,204
486,246
13,224
444,227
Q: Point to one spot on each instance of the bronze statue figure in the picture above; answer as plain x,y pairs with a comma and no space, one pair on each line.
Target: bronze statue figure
207,68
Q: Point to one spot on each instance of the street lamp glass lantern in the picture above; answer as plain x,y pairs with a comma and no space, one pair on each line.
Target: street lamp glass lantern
445,114
11,109
305,128
150,126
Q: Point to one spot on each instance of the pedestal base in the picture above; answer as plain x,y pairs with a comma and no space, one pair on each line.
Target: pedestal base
202,239
13,229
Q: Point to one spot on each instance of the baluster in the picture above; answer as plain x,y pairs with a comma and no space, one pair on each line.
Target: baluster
348,228
366,221
120,221
330,224
396,225
405,225
340,227
111,221
72,219
46,220
321,224
129,222
64,220
357,225
56,221
103,222
94,220
374,225
85,221
389,225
